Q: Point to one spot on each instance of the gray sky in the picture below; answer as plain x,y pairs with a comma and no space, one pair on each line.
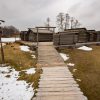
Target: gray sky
30,13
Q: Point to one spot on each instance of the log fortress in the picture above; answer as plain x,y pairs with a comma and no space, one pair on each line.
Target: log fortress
66,37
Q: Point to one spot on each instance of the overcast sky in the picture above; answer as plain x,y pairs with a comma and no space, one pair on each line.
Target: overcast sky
30,13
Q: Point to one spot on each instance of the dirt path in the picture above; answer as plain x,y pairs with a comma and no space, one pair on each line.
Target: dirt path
56,82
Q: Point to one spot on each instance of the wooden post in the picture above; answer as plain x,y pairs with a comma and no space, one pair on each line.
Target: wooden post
2,52
53,34
37,38
59,38
24,36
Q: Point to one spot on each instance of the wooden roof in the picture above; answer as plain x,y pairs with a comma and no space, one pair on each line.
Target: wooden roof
91,31
74,30
23,32
69,32
34,30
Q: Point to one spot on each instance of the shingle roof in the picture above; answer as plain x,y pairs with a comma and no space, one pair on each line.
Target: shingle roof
34,30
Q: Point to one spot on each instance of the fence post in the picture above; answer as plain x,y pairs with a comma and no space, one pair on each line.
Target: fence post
2,52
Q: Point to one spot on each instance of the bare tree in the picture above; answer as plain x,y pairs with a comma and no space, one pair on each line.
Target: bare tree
67,19
76,24
8,31
72,22
64,21
47,23
60,21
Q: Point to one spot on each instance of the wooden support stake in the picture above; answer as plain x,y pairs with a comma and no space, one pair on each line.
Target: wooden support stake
2,52
37,38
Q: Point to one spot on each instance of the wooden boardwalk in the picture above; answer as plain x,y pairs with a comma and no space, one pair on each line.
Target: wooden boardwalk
56,82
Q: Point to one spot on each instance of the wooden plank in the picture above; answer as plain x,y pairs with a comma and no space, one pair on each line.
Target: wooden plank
56,83
63,97
59,93
59,89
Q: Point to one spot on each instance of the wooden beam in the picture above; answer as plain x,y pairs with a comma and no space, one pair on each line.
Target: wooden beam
37,37
45,27
2,51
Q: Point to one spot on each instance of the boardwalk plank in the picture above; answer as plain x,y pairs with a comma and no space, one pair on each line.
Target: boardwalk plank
56,82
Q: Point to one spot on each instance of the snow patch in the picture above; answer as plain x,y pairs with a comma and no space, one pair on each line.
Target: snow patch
71,64
3,44
4,69
10,88
78,80
30,71
74,70
33,56
64,56
9,39
85,48
25,48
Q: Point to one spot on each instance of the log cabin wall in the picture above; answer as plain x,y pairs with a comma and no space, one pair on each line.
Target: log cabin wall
45,37
82,33
24,35
65,39
83,37
56,40
92,35
42,36
98,36
68,39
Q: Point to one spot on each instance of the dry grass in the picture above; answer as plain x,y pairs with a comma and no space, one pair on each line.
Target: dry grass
20,60
31,78
88,70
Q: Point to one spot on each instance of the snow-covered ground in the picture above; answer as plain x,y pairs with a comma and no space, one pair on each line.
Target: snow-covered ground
30,71
85,48
3,44
25,48
9,39
64,56
10,88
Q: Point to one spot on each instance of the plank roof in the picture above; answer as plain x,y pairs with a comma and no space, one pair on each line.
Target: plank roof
34,30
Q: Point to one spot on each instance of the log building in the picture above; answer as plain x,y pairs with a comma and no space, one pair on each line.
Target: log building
67,37
44,35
